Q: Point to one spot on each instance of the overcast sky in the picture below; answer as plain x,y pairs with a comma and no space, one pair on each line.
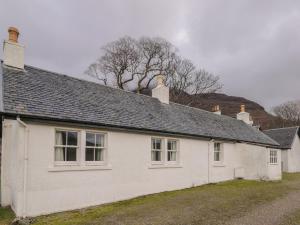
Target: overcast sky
253,45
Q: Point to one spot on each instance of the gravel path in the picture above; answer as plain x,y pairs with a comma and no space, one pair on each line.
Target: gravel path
271,213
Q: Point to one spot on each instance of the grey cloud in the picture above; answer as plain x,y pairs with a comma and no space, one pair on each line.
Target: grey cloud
253,45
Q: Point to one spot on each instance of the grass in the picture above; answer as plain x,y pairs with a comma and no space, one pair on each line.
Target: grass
208,204
6,216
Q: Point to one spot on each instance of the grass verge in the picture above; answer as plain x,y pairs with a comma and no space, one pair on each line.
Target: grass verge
207,204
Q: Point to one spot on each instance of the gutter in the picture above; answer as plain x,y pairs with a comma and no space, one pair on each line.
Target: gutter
25,168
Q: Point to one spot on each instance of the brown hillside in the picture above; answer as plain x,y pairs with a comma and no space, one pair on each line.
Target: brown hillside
229,105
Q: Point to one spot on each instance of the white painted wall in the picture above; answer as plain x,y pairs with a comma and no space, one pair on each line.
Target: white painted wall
12,166
129,172
292,158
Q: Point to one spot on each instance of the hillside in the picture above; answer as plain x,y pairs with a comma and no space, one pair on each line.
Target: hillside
230,106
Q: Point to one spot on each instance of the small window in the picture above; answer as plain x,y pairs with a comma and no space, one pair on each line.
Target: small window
273,156
156,151
66,145
172,150
217,152
94,147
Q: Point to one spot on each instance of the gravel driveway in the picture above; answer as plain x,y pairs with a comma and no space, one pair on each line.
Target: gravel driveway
271,213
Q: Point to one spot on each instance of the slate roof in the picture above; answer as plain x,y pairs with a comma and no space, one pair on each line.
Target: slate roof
42,94
284,136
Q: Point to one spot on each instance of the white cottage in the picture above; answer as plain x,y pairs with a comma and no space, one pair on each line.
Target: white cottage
69,143
289,140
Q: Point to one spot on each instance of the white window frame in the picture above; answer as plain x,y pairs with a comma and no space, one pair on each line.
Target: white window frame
162,150
68,163
104,148
220,152
176,151
273,157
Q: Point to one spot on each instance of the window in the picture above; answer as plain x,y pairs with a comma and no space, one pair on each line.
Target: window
273,156
217,152
94,147
156,151
172,150
66,145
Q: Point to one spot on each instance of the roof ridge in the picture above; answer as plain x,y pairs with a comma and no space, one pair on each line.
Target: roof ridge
282,128
203,110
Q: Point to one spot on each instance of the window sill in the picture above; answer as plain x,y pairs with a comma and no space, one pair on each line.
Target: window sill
78,168
164,166
218,165
273,164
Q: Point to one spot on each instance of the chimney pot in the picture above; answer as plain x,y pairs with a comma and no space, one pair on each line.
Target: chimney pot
216,110
160,80
13,34
243,108
244,116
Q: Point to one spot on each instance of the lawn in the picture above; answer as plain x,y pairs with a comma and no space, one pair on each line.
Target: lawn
207,204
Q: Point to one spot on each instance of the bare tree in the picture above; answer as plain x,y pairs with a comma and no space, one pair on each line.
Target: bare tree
188,79
134,64
158,58
288,112
118,65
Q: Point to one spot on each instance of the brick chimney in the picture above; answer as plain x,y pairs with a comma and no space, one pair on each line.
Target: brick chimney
244,116
13,52
216,110
161,92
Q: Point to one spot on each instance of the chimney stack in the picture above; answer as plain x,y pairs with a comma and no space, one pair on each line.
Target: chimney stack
13,52
244,116
161,92
216,110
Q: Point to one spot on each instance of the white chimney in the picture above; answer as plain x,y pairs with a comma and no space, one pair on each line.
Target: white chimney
244,116
161,92
13,52
216,110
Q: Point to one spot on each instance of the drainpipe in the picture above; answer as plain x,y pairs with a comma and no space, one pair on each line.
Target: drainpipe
208,161
25,166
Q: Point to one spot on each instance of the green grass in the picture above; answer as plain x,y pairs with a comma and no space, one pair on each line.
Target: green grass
293,219
207,204
6,216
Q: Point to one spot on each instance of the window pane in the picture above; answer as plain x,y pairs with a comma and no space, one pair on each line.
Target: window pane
169,145
98,154
217,146
99,140
59,154
217,156
71,154
89,154
171,156
156,156
90,139
156,144
60,138
72,138
172,145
